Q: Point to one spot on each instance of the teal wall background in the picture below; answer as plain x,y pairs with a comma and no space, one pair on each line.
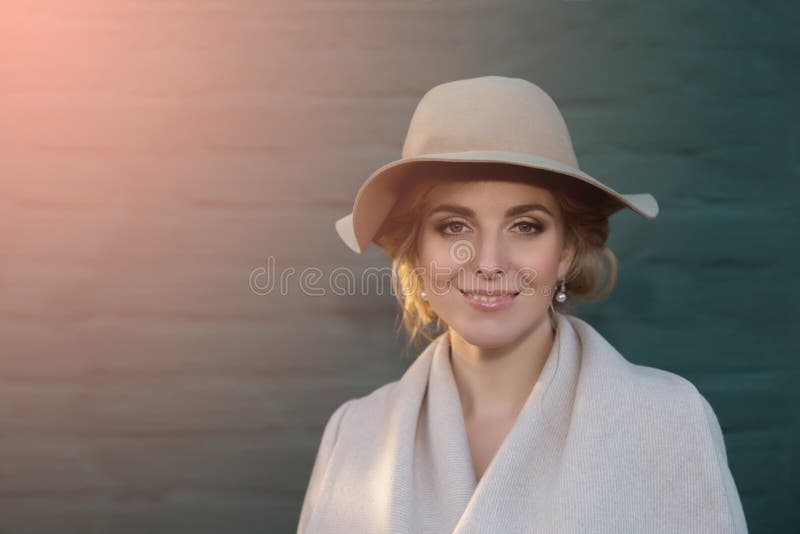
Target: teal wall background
156,153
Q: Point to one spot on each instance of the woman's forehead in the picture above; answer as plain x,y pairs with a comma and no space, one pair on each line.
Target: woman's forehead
476,193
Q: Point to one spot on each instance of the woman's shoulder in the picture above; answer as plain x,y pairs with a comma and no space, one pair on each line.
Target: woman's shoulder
651,391
370,410
651,420
659,394
658,383
661,406
650,402
363,411
375,401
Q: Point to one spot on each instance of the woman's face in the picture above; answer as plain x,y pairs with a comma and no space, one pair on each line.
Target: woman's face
503,238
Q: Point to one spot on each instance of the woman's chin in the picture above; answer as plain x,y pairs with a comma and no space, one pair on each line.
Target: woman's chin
488,336
491,334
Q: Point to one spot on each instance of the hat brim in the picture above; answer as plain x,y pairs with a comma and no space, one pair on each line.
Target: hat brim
378,194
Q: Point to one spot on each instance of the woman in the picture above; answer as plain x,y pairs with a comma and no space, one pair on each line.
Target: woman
517,416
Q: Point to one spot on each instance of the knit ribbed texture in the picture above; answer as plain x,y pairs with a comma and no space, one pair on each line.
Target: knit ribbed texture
600,446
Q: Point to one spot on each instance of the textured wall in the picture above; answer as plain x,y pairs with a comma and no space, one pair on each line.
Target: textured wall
154,153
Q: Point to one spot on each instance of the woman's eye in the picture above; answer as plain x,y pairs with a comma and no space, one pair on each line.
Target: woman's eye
457,227
454,227
528,227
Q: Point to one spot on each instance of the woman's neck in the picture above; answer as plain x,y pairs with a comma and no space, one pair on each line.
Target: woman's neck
495,383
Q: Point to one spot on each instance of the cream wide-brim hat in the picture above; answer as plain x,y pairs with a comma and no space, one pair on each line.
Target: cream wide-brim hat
489,119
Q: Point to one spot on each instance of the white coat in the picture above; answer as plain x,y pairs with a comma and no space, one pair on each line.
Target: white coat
601,445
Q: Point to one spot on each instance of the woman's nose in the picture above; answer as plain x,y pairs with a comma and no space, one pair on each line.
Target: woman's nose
490,257
489,272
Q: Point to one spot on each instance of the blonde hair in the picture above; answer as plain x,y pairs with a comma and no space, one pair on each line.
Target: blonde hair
584,208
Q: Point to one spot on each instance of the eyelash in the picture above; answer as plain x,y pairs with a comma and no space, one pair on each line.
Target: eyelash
538,227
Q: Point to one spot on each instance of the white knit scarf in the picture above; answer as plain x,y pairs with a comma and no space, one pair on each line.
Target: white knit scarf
601,446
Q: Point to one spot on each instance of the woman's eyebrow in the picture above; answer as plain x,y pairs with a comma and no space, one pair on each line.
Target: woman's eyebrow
511,212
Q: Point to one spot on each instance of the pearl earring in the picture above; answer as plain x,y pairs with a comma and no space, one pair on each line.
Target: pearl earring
561,296
424,295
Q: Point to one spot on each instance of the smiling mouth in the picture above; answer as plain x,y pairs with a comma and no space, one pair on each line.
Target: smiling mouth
488,298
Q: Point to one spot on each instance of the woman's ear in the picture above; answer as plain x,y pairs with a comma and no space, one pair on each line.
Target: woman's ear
567,257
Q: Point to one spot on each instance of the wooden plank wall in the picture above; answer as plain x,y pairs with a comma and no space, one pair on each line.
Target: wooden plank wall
155,154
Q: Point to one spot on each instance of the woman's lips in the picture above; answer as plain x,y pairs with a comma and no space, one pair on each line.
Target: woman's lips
489,303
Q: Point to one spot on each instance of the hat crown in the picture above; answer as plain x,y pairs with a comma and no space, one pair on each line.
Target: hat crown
488,119
489,113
